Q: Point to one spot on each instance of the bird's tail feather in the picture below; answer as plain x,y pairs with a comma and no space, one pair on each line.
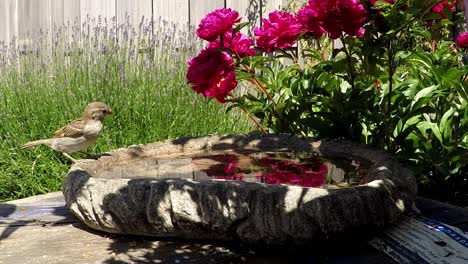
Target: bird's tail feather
32,144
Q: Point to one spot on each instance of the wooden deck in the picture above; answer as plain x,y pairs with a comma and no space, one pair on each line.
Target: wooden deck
40,229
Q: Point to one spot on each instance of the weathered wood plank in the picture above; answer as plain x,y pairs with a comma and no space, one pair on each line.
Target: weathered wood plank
104,9
199,9
71,11
249,11
272,5
44,199
48,209
57,12
8,20
133,11
176,11
67,244
32,17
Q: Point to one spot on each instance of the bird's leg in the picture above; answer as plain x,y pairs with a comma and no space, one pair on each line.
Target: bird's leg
88,156
69,157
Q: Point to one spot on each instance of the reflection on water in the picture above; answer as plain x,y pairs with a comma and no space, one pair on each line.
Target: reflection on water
303,169
306,170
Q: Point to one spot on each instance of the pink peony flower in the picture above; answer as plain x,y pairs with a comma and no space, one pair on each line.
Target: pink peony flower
342,16
337,16
309,18
211,73
439,8
462,39
279,31
361,32
217,23
241,44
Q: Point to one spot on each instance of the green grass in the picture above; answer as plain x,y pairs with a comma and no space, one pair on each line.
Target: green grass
142,78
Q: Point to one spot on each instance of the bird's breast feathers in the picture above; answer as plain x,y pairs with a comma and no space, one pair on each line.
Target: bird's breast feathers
92,128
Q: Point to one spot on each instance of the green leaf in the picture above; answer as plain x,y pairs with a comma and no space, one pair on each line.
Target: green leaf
345,86
398,129
425,125
411,122
447,12
424,93
445,124
239,27
412,86
381,4
425,34
453,74
433,16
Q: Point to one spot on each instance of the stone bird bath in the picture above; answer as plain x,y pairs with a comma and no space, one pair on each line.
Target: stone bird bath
165,190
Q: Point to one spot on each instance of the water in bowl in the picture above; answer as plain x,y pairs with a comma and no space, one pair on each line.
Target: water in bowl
303,169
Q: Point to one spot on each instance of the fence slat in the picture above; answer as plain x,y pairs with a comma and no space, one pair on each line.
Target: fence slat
135,10
8,20
199,9
95,9
174,11
249,11
272,5
32,17
71,11
57,12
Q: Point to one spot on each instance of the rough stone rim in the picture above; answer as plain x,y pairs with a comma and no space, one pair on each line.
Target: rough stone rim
385,173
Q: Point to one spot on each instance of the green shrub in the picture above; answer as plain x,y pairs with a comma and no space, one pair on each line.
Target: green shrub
401,86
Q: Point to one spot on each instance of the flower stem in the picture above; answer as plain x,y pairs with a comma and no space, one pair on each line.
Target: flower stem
323,52
255,81
262,129
391,71
350,63
390,78
258,84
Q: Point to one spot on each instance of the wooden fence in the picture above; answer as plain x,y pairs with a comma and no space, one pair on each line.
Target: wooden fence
22,18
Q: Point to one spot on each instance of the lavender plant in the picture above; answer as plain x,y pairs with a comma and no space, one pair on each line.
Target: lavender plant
47,79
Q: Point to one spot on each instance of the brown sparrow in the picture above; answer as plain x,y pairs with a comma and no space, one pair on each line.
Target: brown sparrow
79,134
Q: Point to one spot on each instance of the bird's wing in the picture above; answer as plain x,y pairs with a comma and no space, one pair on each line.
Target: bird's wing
74,129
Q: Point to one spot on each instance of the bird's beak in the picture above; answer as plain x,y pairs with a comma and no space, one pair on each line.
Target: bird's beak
110,111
